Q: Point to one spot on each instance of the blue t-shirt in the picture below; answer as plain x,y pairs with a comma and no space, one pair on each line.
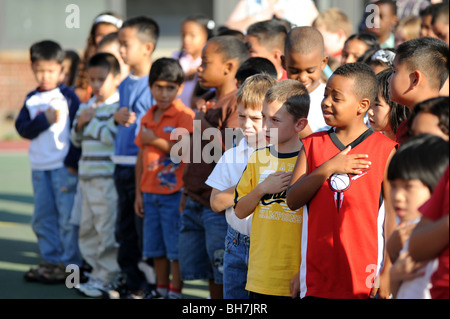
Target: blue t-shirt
136,95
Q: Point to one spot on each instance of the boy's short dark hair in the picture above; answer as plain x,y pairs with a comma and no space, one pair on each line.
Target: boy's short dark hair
255,65
398,113
106,61
47,50
270,33
230,47
366,84
305,40
166,69
428,55
423,157
147,29
112,37
392,4
293,95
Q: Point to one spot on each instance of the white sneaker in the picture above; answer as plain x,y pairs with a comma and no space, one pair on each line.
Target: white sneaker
95,288
149,272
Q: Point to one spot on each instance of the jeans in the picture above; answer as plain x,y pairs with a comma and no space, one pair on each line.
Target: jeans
235,265
161,225
128,228
54,193
201,243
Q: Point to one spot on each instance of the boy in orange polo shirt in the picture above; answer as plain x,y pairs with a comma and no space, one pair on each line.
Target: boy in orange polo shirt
159,177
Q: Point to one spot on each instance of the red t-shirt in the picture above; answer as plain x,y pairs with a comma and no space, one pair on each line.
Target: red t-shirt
160,175
342,245
436,208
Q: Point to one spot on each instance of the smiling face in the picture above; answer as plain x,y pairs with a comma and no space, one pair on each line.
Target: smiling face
340,103
407,196
305,68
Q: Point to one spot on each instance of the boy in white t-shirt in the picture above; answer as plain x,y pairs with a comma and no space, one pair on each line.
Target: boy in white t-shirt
225,177
304,60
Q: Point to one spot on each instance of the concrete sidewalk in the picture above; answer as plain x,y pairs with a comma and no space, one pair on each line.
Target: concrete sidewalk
18,245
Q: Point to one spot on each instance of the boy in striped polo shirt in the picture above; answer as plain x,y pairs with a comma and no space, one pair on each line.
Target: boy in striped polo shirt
94,130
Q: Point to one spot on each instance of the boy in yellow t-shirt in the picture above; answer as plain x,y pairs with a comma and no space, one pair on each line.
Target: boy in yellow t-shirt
275,240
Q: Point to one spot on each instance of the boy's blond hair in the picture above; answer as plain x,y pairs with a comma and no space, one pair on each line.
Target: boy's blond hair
334,20
410,26
252,92
293,95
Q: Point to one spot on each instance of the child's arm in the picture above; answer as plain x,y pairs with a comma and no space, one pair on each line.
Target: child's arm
304,185
274,183
104,130
148,137
30,128
221,200
429,238
138,202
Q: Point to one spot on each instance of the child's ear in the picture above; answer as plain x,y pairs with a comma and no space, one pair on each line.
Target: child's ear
415,79
324,63
149,47
230,66
364,106
301,124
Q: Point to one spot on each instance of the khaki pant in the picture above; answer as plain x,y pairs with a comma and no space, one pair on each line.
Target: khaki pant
98,218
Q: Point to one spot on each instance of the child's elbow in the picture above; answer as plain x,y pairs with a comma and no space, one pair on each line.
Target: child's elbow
292,202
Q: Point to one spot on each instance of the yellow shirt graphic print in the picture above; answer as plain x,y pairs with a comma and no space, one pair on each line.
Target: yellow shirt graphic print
275,239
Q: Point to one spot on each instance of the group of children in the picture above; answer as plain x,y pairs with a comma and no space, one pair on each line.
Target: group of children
320,192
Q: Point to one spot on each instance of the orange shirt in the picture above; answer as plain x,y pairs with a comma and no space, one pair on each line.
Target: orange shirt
160,175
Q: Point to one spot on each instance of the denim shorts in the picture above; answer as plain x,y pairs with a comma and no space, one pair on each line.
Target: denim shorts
161,225
201,243
235,265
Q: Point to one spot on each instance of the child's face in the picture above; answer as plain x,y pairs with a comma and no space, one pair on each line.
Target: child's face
251,122
353,50
340,103
407,196
379,115
194,38
388,20
114,49
426,29
305,68
399,83
132,50
211,73
279,125
47,73
164,93
333,41
427,123
256,49
104,84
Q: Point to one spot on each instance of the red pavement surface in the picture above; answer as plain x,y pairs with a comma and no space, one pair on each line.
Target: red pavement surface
14,146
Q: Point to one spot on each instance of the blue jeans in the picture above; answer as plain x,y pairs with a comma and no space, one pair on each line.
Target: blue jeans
161,225
235,265
54,193
201,243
